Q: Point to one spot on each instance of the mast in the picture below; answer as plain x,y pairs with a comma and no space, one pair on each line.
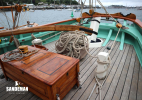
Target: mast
54,4
89,3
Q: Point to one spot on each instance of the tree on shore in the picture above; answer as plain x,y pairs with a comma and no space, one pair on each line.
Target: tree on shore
35,2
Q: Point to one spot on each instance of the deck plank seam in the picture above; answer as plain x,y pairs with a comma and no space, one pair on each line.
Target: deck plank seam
132,78
125,70
138,82
120,73
7,83
87,56
6,93
139,78
86,88
128,84
27,95
115,73
125,77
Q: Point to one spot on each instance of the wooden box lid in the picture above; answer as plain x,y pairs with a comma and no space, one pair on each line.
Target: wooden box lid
45,66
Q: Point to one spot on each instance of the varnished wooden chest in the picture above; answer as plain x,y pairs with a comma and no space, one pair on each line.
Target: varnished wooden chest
46,74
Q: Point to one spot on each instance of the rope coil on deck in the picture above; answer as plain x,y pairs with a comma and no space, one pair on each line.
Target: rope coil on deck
73,44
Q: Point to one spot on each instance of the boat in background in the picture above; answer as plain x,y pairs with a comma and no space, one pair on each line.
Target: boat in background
139,9
70,9
31,10
59,9
77,10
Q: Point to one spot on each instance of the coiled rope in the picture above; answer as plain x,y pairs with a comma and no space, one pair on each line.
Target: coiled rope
73,44
16,55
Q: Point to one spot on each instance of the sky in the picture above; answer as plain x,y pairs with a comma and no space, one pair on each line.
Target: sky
118,2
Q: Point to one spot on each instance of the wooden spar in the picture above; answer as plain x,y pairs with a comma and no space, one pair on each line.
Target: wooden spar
12,14
5,7
42,29
1,27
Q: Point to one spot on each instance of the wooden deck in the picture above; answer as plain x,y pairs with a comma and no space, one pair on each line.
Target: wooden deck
124,81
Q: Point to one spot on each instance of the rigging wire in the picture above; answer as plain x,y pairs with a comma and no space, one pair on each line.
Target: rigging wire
92,4
106,10
3,24
18,20
95,5
24,17
82,10
5,14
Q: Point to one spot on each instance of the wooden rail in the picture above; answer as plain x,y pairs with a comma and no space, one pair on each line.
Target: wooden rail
42,29
131,17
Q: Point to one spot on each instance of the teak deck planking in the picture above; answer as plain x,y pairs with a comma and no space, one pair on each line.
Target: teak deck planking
134,87
117,75
85,94
124,80
120,85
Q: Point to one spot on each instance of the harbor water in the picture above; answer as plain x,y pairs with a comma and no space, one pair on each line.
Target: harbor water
48,16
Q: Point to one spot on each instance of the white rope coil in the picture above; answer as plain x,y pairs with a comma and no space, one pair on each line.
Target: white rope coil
73,44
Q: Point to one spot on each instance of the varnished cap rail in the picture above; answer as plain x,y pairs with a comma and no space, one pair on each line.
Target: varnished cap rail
119,15
130,17
44,28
